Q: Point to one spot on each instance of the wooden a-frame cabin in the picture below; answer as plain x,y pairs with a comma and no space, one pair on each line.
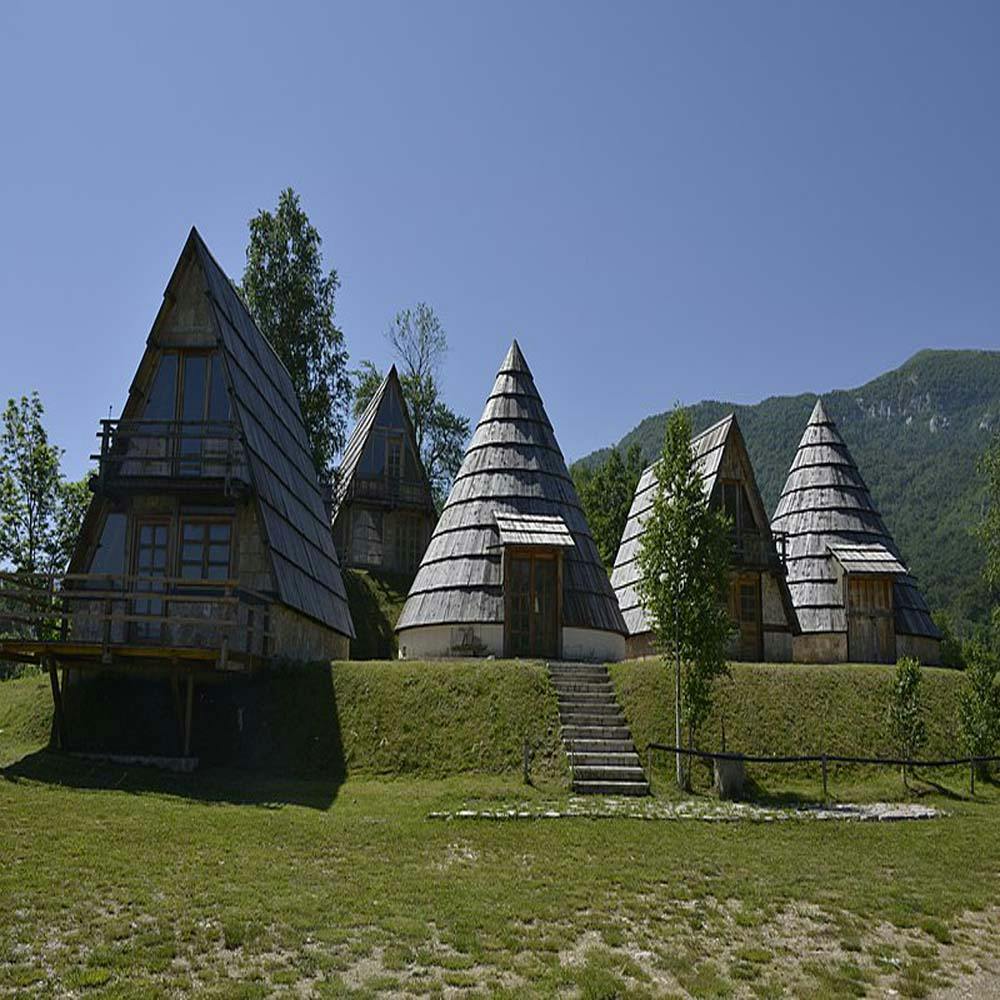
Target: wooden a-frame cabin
854,597
384,508
206,551
760,604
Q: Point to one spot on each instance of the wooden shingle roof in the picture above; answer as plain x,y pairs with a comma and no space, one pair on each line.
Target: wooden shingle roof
826,503
355,447
265,406
709,448
513,465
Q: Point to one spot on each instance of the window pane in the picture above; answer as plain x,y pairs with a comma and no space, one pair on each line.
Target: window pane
191,572
218,572
218,398
194,388
219,532
159,558
163,392
218,554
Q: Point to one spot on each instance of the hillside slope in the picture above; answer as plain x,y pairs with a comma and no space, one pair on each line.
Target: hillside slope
916,434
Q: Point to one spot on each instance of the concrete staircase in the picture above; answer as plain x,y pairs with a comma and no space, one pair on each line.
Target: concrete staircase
594,732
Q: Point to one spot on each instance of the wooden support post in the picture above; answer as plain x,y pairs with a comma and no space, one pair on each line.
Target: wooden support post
527,763
175,689
187,715
57,703
826,795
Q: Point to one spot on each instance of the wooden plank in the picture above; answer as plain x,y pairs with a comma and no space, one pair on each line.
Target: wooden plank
57,702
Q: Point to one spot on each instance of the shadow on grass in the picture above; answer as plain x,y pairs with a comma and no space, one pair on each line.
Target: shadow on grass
270,740
376,598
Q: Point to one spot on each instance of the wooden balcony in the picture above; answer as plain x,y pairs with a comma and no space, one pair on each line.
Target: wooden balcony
189,456
100,621
750,551
390,492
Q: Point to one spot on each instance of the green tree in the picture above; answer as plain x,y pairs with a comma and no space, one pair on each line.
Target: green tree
40,512
291,298
905,712
684,572
979,702
419,344
606,494
989,528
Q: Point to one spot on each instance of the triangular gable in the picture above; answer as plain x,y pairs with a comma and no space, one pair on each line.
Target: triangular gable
390,391
513,465
266,413
717,448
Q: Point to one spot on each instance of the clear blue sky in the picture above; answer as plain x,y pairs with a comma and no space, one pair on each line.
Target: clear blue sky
662,201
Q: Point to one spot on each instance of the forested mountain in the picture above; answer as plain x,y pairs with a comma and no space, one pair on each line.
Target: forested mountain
916,434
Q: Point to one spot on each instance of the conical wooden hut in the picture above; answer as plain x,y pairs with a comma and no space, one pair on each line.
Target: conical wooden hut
853,595
512,568
759,602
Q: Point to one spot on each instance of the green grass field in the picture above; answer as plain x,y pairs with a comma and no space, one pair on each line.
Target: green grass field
300,881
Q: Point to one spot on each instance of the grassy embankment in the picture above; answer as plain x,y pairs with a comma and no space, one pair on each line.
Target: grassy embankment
791,709
121,882
376,600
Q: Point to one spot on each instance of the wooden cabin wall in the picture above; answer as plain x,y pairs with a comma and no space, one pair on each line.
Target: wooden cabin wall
777,628
295,637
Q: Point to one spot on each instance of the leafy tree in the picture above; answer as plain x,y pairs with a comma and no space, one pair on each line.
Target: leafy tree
291,298
979,702
420,344
907,725
989,528
40,512
606,493
684,571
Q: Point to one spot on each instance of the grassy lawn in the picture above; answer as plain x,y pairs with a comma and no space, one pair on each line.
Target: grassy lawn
127,882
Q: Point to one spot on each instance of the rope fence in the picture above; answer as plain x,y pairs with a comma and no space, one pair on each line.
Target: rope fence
825,759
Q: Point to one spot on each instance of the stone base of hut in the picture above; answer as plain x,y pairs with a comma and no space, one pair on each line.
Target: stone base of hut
831,647
432,642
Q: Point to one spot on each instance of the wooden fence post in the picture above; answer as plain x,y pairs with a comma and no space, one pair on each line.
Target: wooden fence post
527,762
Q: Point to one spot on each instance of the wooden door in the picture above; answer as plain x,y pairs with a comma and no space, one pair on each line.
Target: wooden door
871,633
745,610
531,604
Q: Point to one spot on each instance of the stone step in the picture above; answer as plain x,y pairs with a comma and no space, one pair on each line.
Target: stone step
594,732
580,673
597,772
583,687
587,703
604,697
593,718
604,759
611,787
599,746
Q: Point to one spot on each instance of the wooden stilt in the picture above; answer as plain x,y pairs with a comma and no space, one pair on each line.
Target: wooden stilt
175,690
58,704
187,715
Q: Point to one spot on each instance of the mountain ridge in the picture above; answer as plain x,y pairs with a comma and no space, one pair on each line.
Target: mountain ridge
916,432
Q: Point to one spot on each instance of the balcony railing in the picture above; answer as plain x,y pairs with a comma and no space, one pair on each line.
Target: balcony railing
170,449
83,614
390,490
752,551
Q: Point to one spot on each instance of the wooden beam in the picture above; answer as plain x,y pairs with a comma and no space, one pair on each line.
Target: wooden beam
57,703
187,716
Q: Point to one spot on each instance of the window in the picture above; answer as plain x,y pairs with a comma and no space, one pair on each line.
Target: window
748,603
205,550
408,539
394,458
152,548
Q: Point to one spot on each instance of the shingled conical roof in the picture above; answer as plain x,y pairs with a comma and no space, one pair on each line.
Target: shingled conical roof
513,465
826,502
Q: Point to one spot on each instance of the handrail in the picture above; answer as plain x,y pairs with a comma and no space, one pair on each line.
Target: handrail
158,448
118,610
